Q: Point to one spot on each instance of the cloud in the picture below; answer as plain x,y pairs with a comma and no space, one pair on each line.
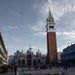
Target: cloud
16,13
10,27
66,22
67,35
63,18
40,34
64,15
35,49
38,27
58,7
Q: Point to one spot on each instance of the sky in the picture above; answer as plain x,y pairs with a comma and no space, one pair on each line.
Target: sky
22,23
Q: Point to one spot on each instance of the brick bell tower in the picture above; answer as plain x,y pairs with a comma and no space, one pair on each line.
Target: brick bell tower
51,40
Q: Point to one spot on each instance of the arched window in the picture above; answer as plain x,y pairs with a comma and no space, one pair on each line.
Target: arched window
23,62
19,62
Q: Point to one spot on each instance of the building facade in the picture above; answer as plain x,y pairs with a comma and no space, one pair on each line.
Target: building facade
3,51
68,55
51,40
28,59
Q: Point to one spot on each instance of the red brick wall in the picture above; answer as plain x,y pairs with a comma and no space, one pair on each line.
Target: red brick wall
52,46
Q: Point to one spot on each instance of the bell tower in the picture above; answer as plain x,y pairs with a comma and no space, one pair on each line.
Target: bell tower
51,39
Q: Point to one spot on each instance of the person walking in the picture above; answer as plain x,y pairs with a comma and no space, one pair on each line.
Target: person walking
15,70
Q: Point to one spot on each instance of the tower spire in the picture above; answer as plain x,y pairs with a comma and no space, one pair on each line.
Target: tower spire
30,47
50,14
51,40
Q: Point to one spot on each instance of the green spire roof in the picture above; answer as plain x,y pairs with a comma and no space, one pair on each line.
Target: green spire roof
50,14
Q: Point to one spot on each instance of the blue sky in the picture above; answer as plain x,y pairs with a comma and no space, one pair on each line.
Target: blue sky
22,23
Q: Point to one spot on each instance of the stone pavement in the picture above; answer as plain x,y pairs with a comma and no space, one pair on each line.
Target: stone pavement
59,71
7,73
